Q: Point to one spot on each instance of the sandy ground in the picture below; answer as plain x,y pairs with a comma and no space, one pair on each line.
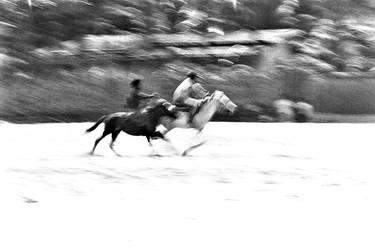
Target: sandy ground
252,185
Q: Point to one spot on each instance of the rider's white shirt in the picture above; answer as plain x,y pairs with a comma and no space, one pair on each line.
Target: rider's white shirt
183,90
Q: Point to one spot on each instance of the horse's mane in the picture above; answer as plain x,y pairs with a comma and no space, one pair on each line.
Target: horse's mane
153,104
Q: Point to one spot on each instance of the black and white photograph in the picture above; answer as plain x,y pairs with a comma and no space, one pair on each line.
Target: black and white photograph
185,124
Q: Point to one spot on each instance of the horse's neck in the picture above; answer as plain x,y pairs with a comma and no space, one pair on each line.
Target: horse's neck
206,112
154,118
148,115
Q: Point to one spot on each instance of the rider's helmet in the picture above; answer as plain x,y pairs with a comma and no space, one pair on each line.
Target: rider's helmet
135,83
192,75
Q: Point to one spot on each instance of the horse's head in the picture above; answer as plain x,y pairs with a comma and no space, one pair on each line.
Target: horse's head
162,107
226,105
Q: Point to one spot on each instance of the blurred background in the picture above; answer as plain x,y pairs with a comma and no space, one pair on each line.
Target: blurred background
73,60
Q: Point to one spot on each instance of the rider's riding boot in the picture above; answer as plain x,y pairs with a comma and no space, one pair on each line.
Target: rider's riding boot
192,113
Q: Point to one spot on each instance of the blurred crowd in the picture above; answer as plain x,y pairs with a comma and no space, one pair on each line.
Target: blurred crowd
342,46
329,40
332,38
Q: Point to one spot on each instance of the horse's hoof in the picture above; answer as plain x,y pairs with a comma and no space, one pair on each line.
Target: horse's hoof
154,153
117,154
194,146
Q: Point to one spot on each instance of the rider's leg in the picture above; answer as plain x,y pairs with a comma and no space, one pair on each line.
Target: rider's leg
194,104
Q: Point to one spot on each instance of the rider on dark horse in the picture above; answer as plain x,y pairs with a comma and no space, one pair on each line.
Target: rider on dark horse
134,101
190,94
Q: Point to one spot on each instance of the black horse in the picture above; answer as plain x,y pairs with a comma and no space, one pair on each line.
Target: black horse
137,123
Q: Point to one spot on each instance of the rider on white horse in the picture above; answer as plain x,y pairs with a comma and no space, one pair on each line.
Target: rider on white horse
201,107
190,94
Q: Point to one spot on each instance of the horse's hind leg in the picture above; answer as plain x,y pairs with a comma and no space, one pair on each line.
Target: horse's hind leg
149,141
111,145
153,152
105,133
156,135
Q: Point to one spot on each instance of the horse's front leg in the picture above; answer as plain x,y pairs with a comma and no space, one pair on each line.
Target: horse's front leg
176,132
158,134
170,123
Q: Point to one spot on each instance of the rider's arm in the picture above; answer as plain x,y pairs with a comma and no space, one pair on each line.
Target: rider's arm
145,95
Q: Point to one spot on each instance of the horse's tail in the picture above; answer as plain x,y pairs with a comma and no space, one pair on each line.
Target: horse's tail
101,119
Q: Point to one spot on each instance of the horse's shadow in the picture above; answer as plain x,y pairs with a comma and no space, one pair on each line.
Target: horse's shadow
89,154
155,155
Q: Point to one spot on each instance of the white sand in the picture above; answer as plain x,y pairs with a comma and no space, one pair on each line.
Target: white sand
252,185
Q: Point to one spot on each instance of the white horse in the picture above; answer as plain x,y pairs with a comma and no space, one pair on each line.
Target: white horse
217,102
